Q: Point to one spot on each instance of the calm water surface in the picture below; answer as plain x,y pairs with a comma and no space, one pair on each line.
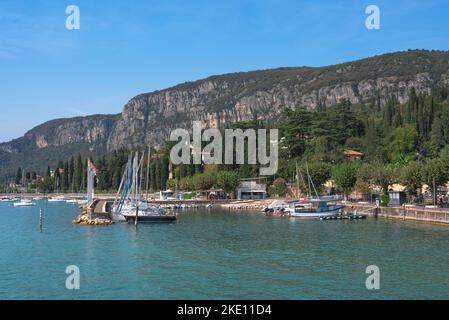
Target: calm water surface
219,254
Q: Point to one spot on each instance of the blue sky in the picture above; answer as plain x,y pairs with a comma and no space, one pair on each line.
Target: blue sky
125,48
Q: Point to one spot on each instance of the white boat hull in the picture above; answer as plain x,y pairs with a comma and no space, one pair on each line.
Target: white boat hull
24,204
315,214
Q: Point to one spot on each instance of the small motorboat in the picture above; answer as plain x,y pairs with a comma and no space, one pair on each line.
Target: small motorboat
277,208
57,199
24,203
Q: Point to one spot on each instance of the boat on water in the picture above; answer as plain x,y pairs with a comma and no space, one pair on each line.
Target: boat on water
24,203
7,199
276,209
57,199
314,208
129,205
147,213
81,202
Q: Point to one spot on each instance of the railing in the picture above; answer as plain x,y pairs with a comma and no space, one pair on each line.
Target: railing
439,215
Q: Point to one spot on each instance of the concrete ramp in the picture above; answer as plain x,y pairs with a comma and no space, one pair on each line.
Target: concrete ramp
101,207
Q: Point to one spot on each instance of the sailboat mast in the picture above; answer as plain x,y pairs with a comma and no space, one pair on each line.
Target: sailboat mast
309,178
141,175
135,175
115,205
309,191
148,172
297,179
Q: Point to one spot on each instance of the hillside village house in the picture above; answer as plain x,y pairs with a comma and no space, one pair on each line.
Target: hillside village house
353,154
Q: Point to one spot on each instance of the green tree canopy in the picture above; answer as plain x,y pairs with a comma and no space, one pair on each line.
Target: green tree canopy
228,180
345,176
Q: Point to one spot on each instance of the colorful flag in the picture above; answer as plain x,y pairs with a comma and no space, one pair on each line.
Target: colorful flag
91,167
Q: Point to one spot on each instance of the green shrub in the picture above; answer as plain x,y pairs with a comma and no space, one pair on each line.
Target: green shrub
384,200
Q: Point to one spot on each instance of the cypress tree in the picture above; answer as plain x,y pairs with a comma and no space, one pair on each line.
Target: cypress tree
19,176
71,172
78,174
158,174
153,175
65,177
164,172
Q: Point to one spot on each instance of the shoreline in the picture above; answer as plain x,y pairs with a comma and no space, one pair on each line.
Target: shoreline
421,214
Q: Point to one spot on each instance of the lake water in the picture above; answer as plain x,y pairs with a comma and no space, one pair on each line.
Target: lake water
218,254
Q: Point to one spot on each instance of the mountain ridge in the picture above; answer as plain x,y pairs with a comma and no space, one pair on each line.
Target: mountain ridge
221,100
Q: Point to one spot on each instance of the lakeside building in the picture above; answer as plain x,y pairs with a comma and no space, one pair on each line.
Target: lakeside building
251,190
213,194
397,198
167,195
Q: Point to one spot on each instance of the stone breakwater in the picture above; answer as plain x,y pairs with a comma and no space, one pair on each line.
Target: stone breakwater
84,219
248,204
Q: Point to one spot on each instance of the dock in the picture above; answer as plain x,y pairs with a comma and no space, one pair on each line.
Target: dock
345,217
406,213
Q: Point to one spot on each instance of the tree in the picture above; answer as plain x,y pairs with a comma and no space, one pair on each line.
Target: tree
295,125
411,177
439,136
45,185
65,177
171,184
383,175
280,187
72,173
158,174
164,172
364,178
435,172
228,181
78,174
402,145
377,173
153,184
186,184
203,181
320,173
19,176
345,176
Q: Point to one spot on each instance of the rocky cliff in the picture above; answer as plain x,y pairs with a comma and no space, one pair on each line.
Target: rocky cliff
221,100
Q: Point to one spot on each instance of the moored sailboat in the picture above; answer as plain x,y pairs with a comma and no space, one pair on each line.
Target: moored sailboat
129,205
312,207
